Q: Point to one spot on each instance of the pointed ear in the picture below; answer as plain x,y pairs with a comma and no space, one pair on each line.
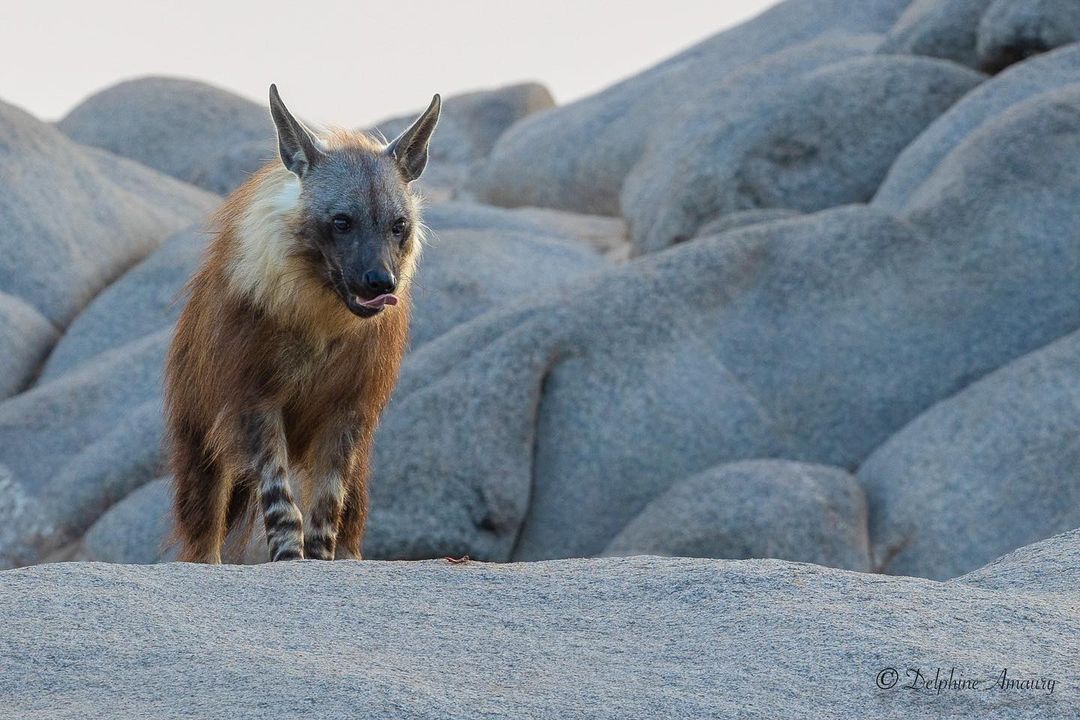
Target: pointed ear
410,149
296,145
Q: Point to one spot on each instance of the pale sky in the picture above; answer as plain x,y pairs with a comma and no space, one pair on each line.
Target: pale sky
348,63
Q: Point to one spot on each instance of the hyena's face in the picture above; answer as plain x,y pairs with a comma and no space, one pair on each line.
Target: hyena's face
359,227
360,219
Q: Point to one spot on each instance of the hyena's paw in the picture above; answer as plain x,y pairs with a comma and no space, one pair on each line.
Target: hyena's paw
317,548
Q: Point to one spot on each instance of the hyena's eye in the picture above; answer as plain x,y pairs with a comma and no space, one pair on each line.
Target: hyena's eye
341,223
398,227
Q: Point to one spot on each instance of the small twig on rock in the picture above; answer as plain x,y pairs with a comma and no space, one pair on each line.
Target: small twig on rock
457,561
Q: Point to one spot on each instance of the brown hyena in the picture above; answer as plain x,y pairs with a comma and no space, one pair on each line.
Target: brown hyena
291,342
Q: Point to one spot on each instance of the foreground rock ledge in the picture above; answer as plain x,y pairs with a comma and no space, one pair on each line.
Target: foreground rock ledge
626,637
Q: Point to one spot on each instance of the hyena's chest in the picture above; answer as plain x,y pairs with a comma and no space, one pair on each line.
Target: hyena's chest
321,384
298,365
315,374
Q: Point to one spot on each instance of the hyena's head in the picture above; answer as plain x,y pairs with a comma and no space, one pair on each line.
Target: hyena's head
357,219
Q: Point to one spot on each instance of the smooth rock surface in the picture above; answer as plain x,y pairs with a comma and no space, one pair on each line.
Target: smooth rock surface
1048,566
472,122
111,212
72,447
576,156
542,429
1012,31
1009,191
469,126
451,458
235,163
986,104
134,530
756,509
25,339
987,470
823,138
146,299
618,638
607,235
465,273
744,218
944,29
178,127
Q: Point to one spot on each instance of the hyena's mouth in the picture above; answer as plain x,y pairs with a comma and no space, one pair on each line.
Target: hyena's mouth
367,308
359,306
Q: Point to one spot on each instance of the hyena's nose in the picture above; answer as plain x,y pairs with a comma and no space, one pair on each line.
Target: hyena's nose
380,281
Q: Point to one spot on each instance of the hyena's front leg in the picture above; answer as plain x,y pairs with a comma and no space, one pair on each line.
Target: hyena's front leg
324,517
284,523
332,470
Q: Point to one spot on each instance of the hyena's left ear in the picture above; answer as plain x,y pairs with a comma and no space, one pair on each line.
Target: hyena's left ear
410,149
297,147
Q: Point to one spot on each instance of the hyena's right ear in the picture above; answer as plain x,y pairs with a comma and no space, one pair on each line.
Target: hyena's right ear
296,145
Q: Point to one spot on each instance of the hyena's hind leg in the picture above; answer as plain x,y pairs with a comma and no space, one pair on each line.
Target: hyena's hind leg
284,523
243,511
353,519
200,500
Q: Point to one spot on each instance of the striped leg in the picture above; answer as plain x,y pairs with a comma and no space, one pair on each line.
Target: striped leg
322,523
334,456
284,524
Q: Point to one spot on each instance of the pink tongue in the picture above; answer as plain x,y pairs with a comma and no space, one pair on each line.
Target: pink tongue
378,302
